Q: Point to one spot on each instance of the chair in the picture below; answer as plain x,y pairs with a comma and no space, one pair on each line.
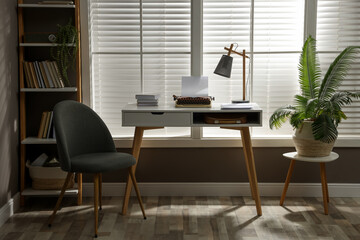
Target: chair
85,145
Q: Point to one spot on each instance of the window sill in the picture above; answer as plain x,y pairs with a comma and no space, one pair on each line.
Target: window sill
223,142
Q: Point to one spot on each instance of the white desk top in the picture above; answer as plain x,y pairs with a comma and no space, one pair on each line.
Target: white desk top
171,108
293,155
171,116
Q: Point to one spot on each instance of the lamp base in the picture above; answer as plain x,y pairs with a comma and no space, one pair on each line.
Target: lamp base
239,101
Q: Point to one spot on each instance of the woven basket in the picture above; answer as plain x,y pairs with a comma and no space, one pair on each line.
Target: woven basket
307,146
51,184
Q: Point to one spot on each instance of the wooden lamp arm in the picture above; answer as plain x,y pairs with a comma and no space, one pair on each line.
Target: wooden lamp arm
233,51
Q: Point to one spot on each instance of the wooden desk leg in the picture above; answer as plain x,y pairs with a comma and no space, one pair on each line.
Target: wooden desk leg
249,159
79,183
287,181
324,187
138,136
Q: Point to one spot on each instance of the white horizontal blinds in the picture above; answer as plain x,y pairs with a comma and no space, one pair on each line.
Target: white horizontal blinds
225,22
123,65
166,52
166,26
278,38
338,24
115,26
116,76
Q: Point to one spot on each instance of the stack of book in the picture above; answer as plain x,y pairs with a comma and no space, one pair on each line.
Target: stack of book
43,74
46,129
147,99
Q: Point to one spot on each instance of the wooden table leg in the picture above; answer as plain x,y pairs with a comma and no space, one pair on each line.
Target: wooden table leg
324,187
138,136
287,181
249,159
79,183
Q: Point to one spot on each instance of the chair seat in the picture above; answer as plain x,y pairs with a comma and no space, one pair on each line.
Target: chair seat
101,162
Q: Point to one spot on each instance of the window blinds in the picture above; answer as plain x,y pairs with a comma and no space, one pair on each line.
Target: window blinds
137,46
277,33
338,26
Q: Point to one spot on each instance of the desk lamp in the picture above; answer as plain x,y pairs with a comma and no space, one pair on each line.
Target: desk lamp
224,68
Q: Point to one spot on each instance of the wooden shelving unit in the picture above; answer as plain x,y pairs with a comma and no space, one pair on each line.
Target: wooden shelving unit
51,96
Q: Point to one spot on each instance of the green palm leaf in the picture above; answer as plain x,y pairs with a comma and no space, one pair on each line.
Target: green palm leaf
337,72
309,70
324,129
280,116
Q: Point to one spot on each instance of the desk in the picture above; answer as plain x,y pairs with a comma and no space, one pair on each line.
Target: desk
154,117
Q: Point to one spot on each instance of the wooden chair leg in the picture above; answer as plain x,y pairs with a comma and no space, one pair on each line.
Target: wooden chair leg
79,183
287,181
324,187
133,179
100,191
66,183
96,201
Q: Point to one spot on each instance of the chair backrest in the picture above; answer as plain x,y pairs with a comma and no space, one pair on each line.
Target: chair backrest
79,130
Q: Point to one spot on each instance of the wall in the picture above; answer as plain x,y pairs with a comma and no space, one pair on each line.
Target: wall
227,165
9,116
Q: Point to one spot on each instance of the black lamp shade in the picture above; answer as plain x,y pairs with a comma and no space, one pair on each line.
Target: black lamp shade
224,66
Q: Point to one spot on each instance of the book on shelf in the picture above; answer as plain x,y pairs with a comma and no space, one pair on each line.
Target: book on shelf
57,2
46,125
33,76
27,75
44,74
42,125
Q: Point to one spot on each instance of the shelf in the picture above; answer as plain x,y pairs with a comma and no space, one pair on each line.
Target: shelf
33,192
35,140
66,89
42,45
24,5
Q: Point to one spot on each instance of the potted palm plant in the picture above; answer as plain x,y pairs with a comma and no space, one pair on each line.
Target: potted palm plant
317,110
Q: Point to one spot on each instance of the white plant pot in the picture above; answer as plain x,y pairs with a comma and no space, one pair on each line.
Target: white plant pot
307,146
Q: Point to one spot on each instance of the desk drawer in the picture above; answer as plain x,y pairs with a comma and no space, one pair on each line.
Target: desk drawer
156,119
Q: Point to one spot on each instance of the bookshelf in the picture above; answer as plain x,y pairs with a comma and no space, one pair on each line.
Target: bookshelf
43,18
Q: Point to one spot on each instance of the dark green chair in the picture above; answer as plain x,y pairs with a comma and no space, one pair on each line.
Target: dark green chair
85,145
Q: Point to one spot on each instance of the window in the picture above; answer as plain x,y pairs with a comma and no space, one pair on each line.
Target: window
144,46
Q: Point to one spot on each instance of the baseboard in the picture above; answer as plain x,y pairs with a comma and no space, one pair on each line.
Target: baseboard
9,208
227,189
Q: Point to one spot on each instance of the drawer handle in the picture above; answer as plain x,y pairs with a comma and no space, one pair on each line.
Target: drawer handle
157,113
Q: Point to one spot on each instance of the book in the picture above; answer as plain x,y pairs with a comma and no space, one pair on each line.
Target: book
38,75
236,106
48,76
33,76
27,76
42,70
51,71
147,96
50,125
40,160
58,75
46,124
42,125
57,2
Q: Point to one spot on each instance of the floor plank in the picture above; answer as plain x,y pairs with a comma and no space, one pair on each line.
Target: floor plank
188,218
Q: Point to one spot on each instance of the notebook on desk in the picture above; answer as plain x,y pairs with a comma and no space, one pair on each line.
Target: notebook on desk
233,106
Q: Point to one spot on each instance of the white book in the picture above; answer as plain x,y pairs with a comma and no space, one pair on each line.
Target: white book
147,96
236,106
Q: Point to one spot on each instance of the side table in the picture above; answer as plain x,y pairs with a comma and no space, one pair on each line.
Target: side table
322,160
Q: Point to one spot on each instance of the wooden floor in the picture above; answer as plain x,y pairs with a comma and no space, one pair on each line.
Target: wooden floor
189,218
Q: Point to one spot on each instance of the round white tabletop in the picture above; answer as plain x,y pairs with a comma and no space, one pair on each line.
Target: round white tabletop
294,156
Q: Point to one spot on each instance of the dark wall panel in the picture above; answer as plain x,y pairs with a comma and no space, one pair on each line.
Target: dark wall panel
9,117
